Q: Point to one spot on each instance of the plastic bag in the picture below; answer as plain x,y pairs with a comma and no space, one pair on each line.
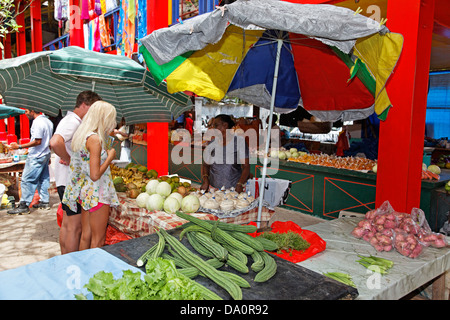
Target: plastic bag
317,244
407,244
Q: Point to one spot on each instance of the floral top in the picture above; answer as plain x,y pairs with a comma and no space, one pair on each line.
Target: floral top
80,188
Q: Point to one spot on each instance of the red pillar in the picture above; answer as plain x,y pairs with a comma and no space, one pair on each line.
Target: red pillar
76,35
7,46
157,132
24,129
36,26
402,134
21,42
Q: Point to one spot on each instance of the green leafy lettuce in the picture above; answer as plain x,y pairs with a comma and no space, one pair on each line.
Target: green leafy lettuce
162,281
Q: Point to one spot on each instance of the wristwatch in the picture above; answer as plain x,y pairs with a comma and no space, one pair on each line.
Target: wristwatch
20,146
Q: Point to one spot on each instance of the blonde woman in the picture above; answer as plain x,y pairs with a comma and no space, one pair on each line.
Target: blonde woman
90,181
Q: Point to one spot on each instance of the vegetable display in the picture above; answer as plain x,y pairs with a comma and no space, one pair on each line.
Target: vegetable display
162,281
341,277
386,229
375,264
214,244
287,241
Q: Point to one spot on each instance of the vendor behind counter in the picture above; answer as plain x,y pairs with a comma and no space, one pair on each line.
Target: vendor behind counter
226,158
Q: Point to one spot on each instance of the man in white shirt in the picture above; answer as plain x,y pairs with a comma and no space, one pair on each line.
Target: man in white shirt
70,232
36,174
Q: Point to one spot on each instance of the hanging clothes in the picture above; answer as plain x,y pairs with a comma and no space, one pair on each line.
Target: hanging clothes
61,12
92,14
104,34
97,46
129,30
103,6
141,7
111,4
119,33
86,35
84,9
141,18
98,8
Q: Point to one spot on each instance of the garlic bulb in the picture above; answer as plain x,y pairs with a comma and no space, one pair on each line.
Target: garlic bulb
250,199
218,197
208,194
242,203
242,195
233,193
202,199
219,193
211,204
227,205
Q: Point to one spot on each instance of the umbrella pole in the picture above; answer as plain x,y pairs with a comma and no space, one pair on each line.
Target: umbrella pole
272,104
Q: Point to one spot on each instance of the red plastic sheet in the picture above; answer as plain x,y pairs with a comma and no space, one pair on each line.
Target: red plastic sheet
115,236
317,244
59,215
112,234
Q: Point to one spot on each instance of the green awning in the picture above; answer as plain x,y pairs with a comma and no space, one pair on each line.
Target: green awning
50,81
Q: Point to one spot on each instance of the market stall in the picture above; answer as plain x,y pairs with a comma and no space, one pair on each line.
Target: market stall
324,191
405,276
135,221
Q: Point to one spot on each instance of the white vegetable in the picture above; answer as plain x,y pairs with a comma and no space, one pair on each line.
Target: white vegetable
375,168
281,155
233,194
211,204
227,205
292,150
242,195
190,204
163,189
202,200
171,204
150,188
434,168
155,202
141,199
242,203
177,196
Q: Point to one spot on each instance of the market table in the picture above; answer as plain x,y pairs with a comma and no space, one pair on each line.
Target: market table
10,167
135,222
291,281
61,277
10,173
341,254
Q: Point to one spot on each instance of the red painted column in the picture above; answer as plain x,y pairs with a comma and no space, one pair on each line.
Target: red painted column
402,134
76,35
7,46
36,26
21,42
157,132
24,129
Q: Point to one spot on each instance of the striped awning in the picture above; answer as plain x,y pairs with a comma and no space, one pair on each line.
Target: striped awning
6,112
50,81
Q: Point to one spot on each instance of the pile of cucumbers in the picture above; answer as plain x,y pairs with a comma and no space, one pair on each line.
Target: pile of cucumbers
220,243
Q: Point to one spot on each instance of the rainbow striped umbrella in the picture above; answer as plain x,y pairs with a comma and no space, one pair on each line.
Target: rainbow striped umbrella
278,55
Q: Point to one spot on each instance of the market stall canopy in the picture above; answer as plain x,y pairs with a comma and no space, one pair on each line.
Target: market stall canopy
440,44
334,62
50,81
6,112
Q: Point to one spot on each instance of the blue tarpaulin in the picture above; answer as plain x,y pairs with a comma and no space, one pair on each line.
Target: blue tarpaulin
60,277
